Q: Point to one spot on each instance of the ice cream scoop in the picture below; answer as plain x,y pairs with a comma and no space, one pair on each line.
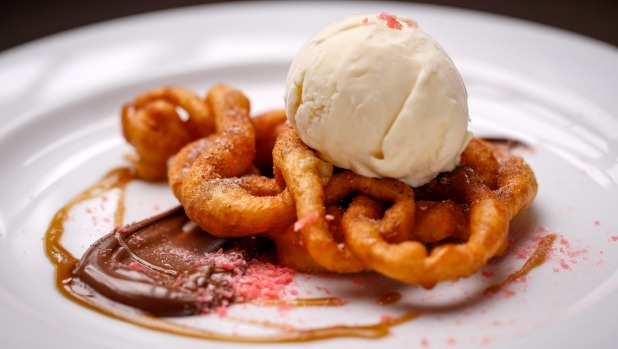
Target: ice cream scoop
374,94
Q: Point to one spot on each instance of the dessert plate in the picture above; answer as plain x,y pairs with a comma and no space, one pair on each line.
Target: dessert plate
553,91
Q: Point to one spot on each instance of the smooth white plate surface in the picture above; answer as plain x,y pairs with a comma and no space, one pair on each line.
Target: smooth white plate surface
59,103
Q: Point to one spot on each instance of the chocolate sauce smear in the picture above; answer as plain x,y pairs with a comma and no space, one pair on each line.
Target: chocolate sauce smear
162,267
166,266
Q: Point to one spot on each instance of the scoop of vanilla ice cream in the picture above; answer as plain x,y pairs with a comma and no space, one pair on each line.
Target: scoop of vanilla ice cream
374,94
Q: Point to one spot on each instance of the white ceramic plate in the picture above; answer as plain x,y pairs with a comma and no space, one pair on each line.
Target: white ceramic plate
59,103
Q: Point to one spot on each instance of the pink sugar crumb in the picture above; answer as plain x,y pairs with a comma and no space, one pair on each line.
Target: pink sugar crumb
424,342
136,266
391,20
542,229
221,311
385,318
577,253
597,222
507,293
225,264
180,280
564,264
323,289
339,301
487,273
282,309
521,255
365,20
306,221
263,280
614,237
485,340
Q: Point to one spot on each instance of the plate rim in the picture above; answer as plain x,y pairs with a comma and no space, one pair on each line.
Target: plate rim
85,31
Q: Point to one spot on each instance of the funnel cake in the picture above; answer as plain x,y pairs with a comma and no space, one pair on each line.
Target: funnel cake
325,218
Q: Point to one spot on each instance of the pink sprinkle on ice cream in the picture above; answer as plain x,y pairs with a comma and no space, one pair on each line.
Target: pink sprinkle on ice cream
391,20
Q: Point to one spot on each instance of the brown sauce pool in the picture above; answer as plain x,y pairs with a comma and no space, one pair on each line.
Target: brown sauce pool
124,275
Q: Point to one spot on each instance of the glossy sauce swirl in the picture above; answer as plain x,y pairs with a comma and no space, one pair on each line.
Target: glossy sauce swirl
158,266
131,275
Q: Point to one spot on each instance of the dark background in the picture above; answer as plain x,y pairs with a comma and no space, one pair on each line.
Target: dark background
25,20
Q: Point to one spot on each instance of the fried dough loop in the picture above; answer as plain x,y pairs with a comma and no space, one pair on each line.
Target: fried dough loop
214,180
390,241
305,175
153,124
409,261
238,176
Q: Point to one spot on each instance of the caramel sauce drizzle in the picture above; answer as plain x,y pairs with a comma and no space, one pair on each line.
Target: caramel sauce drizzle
62,259
538,257
303,302
65,263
